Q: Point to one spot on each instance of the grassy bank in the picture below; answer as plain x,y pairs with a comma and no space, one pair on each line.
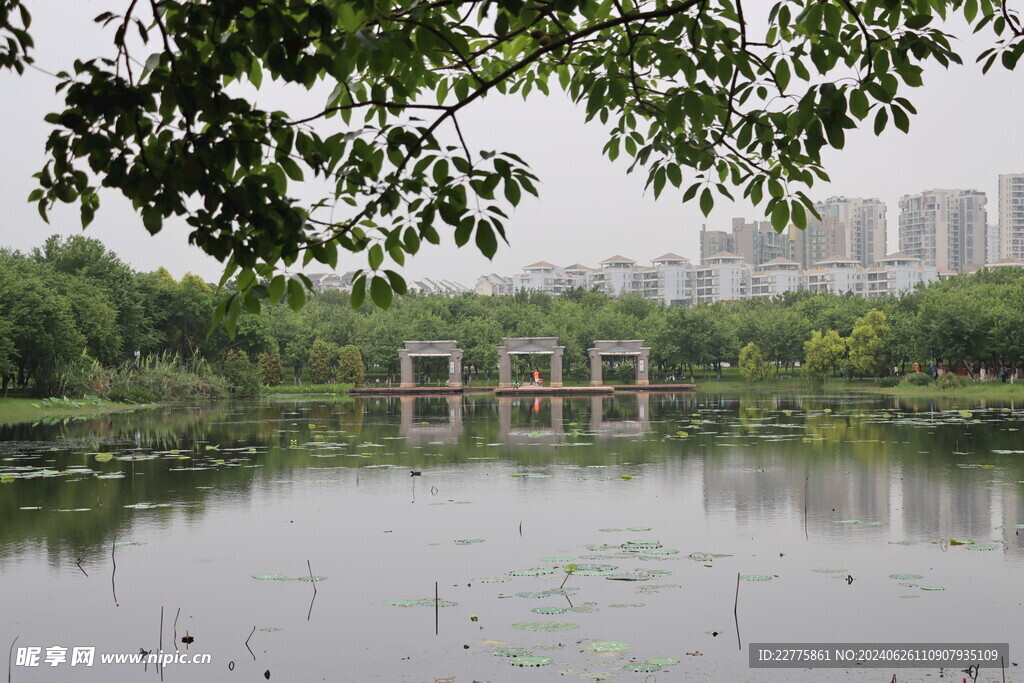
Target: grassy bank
14,410
989,390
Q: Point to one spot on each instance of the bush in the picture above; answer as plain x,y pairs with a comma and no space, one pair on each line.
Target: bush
753,366
890,381
951,381
241,374
321,370
350,365
270,369
918,379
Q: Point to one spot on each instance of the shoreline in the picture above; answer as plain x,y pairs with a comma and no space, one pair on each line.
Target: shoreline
21,410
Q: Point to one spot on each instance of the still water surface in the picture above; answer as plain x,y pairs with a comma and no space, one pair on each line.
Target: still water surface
678,493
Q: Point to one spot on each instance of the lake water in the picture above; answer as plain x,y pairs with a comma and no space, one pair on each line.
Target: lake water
660,500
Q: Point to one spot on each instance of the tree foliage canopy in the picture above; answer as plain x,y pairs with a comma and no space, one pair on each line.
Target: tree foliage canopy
710,97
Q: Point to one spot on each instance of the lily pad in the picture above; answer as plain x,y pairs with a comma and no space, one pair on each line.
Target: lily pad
307,579
269,577
492,579
831,571
642,667
663,661
550,610
104,457
661,551
539,571
468,541
546,626
632,576
639,528
906,577
607,646
984,546
641,545
511,652
422,602
755,577
932,588
530,661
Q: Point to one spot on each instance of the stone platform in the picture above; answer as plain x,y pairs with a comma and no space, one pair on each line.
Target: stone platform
407,391
529,390
655,387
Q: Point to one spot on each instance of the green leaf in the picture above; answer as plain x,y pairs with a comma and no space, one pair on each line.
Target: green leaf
858,103
782,74
512,192
486,240
358,292
780,215
919,21
380,292
152,219
707,201
291,168
277,288
376,256
296,295
799,215
900,118
881,118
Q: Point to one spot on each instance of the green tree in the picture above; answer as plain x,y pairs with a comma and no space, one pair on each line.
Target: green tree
867,344
350,365
241,373
691,91
269,365
321,369
822,353
753,366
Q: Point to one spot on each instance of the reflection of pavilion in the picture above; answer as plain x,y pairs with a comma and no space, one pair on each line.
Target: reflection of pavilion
610,426
415,428
508,434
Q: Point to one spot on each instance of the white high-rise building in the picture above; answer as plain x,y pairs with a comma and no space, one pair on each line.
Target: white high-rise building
838,275
864,226
945,228
777,276
1011,217
896,274
722,277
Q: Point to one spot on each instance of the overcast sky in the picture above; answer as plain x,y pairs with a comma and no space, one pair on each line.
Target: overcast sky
968,131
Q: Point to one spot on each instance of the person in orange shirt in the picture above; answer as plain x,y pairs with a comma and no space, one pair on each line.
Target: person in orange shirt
536,377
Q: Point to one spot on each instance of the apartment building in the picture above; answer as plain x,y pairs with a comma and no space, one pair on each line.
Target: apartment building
494,285
838,276
617,275
820,241
722,277
897,273
945,228
440,287
1011,217
776,277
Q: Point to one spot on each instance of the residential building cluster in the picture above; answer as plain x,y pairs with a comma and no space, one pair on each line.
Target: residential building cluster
941,232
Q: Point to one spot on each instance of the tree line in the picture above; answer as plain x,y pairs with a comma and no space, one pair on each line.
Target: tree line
73,302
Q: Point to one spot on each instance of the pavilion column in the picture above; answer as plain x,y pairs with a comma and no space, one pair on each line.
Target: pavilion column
504,368
408,379
556,366
596,375
643,368
455,369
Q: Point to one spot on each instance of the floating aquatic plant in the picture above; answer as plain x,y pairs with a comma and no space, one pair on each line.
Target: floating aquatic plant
906,577
422,602
550,610
663,661
492,579
932,588
642,667
511,652
538,571
530,661
641,545
468,541
269,577
755,577
607,646
984,546
546,626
